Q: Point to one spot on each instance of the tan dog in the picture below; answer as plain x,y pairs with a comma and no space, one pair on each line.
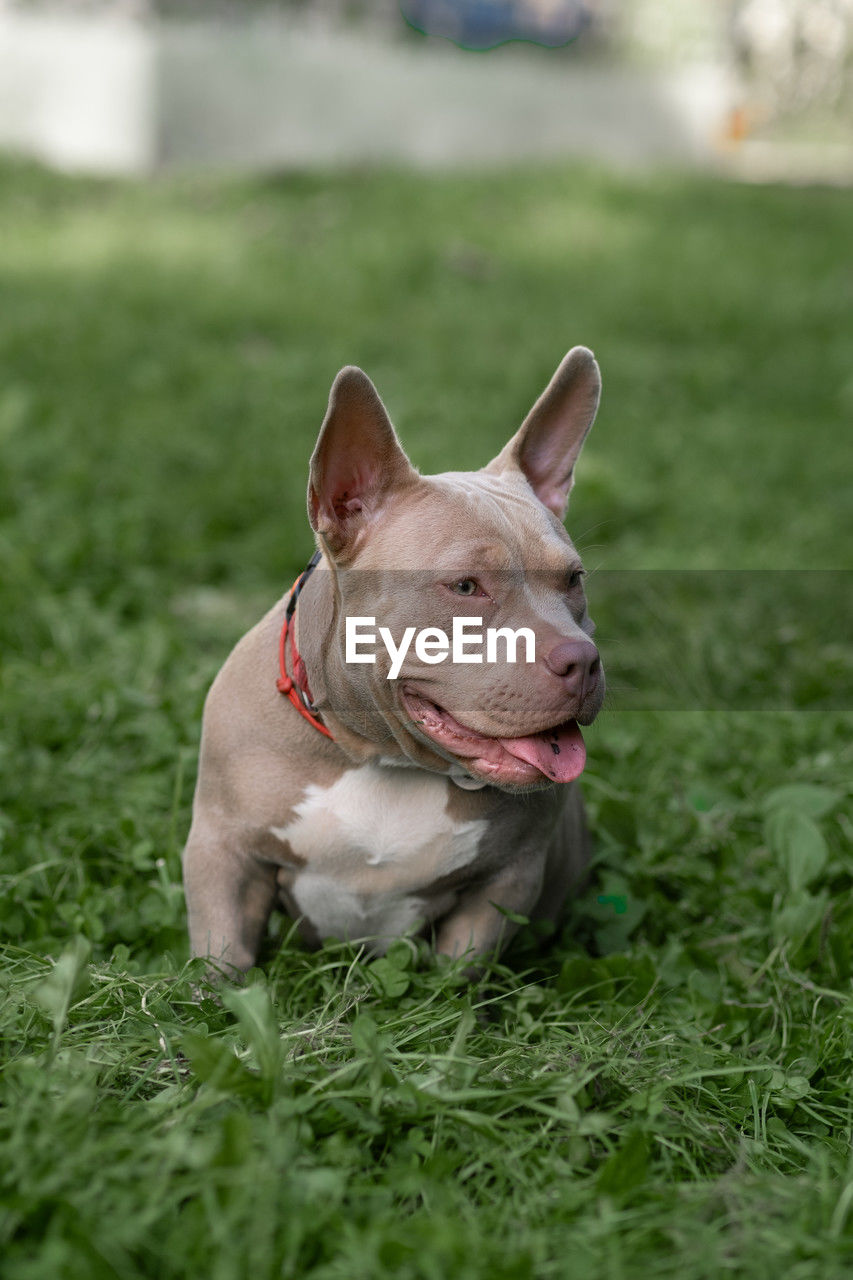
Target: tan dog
439,800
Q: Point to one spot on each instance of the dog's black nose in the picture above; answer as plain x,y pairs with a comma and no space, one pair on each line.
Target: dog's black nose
577,663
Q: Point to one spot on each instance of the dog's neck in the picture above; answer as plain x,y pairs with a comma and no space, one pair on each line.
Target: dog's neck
356,722
312,626
362,725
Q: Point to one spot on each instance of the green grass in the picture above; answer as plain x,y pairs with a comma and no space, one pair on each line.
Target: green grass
666,1090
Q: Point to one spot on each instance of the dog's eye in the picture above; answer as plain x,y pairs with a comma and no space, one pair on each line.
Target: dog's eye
575,578
465,587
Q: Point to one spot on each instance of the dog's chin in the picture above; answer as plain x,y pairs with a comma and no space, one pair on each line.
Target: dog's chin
528,762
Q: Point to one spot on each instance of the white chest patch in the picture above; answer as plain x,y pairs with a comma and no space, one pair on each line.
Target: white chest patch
336,911
374,842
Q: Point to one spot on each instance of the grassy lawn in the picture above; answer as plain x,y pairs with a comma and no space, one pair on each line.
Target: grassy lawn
664,1092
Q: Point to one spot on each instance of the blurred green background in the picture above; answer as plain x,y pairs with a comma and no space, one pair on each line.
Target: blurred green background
667,1090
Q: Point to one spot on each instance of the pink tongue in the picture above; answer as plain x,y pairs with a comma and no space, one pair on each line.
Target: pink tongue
558,753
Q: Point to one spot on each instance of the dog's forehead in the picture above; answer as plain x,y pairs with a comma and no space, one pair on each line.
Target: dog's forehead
469,519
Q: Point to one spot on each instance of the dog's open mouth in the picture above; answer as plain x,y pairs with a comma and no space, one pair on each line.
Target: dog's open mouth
557,754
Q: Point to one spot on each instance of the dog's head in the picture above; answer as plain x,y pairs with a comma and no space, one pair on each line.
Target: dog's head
418,552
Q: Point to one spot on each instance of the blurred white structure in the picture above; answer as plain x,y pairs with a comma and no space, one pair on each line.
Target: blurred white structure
117,88
77,90
794,51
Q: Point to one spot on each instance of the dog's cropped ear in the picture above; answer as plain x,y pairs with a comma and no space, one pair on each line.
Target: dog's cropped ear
546,446
356,462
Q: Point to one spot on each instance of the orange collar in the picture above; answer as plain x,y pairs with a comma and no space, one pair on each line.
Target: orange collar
296,689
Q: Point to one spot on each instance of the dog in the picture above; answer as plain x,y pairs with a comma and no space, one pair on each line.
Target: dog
442,801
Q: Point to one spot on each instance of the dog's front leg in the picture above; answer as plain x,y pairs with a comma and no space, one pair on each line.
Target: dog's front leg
479,925
230,894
